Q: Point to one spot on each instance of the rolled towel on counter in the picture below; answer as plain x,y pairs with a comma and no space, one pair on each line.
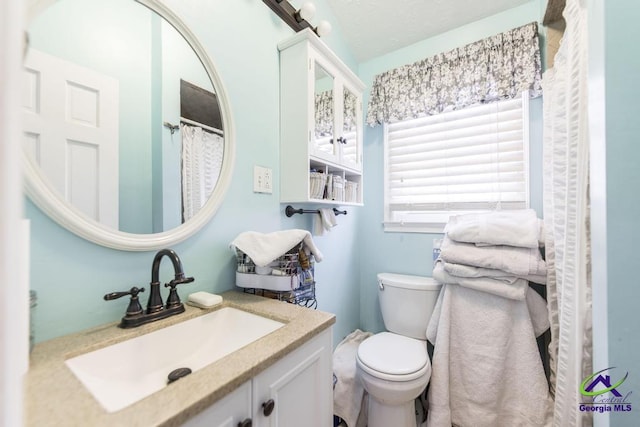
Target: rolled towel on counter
462,270
506,287
516,261
520,228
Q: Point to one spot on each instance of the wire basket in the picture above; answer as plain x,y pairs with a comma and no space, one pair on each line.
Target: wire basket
283,274
305,295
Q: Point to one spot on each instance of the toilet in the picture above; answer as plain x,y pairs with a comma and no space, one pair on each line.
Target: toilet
393,366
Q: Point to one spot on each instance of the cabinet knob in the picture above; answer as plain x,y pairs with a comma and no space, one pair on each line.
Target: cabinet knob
267,407
245,423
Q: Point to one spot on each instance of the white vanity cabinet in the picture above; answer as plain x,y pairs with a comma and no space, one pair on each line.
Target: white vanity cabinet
320,124
296,390
230,411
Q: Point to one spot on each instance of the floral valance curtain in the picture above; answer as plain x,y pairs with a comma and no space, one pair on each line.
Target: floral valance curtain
498,67
324,112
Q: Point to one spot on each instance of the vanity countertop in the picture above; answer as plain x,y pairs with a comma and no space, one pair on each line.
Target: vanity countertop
55,397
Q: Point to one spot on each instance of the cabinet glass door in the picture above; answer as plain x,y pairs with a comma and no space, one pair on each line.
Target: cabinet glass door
324,115
350,130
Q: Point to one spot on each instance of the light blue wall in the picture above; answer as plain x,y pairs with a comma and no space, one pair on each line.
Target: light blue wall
71,275
622,91
411,253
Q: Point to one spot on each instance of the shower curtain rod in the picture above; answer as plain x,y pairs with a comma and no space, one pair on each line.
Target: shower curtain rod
173,128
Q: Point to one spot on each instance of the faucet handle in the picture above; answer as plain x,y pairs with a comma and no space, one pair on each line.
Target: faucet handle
174,300
134,308
115,295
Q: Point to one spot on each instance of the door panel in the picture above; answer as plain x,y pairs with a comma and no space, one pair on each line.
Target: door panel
71,131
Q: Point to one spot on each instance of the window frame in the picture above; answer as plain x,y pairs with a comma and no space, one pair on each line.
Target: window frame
435,222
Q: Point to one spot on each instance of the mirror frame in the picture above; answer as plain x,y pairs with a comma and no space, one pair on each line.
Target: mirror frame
59,210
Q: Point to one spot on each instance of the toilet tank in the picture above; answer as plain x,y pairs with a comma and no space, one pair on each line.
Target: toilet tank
407,302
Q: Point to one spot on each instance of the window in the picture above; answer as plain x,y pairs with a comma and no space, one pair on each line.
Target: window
469,160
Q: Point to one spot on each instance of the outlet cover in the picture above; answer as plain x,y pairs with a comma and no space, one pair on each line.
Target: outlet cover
262,180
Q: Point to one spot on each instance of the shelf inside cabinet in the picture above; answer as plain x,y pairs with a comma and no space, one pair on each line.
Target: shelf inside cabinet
330,183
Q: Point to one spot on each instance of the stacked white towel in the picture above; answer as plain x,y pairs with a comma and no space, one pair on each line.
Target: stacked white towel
520,228
497,251
486,366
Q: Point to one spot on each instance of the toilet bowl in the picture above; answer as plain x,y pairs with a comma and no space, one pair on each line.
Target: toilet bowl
394,366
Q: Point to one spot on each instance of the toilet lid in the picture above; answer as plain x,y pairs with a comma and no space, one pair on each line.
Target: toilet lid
393,354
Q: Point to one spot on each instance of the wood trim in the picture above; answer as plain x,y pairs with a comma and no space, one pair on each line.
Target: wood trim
287,12
554,11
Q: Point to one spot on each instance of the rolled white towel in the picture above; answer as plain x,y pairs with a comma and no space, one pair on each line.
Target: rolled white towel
510,227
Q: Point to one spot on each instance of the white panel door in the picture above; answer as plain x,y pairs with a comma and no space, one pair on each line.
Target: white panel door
71,130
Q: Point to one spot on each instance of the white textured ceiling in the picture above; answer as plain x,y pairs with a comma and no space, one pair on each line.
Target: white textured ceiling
375,27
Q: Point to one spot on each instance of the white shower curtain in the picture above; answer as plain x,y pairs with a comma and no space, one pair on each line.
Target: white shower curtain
566,215
202,153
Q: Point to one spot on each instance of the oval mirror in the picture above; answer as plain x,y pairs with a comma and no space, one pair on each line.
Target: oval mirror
128,136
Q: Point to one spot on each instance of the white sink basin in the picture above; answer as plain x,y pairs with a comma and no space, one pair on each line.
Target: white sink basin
124,373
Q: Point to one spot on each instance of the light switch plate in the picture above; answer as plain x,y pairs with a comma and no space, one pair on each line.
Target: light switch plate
262,180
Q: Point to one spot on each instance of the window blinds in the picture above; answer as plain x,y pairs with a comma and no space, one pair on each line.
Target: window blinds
466,160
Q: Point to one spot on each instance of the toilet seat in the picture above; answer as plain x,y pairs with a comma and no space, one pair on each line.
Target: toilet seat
393,357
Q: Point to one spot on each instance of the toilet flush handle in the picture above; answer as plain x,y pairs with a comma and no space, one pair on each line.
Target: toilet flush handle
381,285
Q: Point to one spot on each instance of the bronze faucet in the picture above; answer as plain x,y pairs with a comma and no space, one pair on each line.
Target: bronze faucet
135,316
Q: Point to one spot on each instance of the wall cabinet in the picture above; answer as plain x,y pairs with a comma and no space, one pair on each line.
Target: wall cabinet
320,124
297,390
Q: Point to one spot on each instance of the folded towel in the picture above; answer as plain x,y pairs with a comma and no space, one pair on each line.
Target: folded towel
264,248
462,270
506,287
538,312
348,393
318,226
516,261
513,228
328,218
486,368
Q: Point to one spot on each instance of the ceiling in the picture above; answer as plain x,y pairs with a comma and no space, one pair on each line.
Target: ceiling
375,27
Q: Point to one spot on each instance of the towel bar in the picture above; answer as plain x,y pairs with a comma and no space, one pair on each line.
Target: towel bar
290,211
